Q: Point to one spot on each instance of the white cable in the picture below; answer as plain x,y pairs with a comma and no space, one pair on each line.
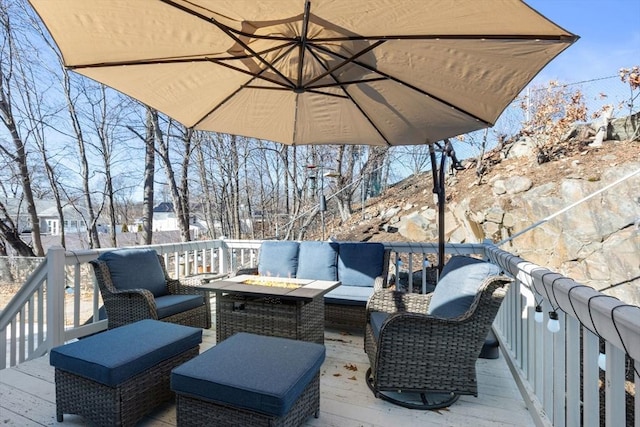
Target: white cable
561,211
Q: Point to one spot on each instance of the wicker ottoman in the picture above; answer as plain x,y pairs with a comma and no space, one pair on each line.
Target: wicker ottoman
250,380
116,377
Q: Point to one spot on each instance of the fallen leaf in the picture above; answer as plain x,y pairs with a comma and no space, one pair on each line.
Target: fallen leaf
337,340
337,374
351,367
353,378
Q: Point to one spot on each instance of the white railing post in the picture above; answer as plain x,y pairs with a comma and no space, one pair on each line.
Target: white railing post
224,258
591,395
55,296
559,373
573,371
614,386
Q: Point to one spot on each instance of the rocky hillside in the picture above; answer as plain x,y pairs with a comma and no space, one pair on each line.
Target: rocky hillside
596,242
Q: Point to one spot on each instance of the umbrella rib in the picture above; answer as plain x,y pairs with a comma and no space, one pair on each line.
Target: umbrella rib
406,84
303,42
178,60
307,90
366,116
542,37
346,83
246,85
346,61
231,35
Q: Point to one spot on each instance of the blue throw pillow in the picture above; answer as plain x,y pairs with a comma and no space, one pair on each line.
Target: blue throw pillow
458,286
360,263
318,260
136,269
278,258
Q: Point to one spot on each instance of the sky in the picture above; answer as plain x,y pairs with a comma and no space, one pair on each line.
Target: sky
609,33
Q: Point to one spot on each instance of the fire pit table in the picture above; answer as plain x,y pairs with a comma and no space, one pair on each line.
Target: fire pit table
281,307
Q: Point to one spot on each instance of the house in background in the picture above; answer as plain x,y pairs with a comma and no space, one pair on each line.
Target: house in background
48,217
164,219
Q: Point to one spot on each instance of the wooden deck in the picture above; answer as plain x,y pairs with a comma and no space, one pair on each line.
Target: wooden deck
27,395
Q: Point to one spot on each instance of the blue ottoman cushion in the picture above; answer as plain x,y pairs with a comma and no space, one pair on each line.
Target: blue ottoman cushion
168,305
116,355
360,263
278,258
136,269
459,283
259,373
318,260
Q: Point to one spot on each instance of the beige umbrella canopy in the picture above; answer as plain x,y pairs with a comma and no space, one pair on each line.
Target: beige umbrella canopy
371,72
375,72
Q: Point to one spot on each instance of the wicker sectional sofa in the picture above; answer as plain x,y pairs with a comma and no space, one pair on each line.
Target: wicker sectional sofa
362,267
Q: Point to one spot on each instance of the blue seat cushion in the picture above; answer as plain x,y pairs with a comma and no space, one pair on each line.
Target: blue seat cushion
259,373
349,295
376,319
318,260
118,354
278,258
136,269
168,305
360,263
459,283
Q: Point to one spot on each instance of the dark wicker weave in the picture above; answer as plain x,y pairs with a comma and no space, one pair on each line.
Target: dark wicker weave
131,305
123,405
198,412
419,353
278,317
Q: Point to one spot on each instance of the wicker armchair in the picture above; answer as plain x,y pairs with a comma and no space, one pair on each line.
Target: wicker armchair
426,361
170,302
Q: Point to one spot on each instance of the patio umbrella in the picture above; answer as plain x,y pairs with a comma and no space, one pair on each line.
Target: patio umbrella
375,72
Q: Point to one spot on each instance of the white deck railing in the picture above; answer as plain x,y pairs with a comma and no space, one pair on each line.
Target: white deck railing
557,373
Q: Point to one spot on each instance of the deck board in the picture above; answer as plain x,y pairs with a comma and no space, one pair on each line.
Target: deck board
27,395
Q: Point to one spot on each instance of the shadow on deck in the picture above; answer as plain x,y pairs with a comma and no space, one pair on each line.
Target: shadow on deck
28,395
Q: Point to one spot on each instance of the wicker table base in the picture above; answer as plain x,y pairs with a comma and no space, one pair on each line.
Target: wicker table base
295,319
347,317
122,405
198,412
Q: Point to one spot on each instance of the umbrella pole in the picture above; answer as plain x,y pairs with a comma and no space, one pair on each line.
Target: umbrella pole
438,189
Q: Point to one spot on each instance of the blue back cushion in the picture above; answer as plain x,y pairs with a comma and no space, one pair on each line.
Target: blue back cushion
360,263
318,260
259,373
116,355
278,258
136,269
458,286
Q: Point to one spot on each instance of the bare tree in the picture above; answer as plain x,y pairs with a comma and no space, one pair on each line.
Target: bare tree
19,155
352,168
85,172
179,191
149,171
207,199
418,157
